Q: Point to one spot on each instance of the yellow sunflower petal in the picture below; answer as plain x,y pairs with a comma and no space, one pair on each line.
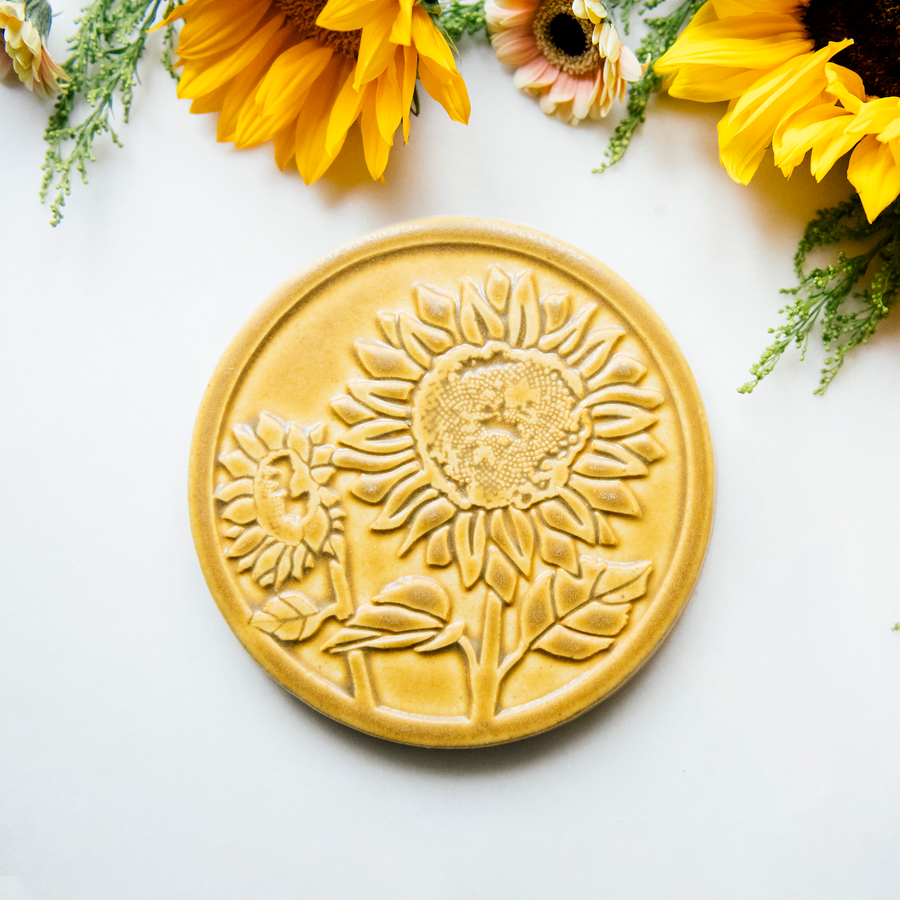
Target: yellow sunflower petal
349,15
710,84
388,103
401,32
407,85
281,94
244,85
221,26
748,42
876,116
375,147
811,128
845,85
198,79
311,155
874,172
429,41
747,129
451,94
347,106
375,48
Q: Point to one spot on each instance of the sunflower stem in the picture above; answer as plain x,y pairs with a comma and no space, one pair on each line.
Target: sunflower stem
486,675
362,684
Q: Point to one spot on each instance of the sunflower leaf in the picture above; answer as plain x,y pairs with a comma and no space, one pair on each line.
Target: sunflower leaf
849,312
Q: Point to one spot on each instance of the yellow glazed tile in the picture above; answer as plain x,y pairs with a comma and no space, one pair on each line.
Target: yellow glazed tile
452,484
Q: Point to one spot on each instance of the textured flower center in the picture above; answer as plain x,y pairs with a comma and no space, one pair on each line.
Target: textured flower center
874,26
303,13
565,40
498,426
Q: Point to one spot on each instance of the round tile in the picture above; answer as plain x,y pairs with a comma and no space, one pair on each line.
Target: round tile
452,484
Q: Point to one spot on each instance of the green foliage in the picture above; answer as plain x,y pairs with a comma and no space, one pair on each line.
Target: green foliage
896,626
661,35
832,292
102,64
459,18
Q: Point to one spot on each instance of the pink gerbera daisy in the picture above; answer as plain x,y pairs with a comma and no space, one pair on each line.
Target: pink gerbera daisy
561,57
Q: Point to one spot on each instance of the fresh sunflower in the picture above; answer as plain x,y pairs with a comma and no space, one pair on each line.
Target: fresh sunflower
772,59
301,72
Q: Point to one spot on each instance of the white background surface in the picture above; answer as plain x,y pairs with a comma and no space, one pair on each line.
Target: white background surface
145,755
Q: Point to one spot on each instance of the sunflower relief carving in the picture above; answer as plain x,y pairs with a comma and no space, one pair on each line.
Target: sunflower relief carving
496,429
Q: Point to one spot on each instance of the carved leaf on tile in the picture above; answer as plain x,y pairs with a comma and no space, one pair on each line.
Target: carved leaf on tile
577,618
289,616
411,612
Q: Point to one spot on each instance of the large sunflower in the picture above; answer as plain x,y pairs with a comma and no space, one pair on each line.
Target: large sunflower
772,59
497,426
301,72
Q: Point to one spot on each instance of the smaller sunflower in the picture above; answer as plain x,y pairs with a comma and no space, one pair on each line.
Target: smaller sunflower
282,517
571,58
25,28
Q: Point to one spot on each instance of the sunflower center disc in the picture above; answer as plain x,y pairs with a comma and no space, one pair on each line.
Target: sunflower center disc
499,426
875,29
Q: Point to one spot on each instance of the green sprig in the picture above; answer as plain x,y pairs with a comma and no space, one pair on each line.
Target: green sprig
661,35
457,19
102,63
829,293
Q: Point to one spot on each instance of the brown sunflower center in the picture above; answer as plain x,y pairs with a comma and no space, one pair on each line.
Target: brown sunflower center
565,40
303,13
874,26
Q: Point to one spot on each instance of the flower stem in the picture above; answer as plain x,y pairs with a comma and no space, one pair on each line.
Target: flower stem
362,685
486,675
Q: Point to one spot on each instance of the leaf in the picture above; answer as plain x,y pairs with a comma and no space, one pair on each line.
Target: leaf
381,641
623,582
446,638
388,617
286,616
341,640
569,593
568,644
418,592
598,619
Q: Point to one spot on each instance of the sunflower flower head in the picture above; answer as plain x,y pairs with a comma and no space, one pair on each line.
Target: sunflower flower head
569,55
301,72
820,76
25,29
